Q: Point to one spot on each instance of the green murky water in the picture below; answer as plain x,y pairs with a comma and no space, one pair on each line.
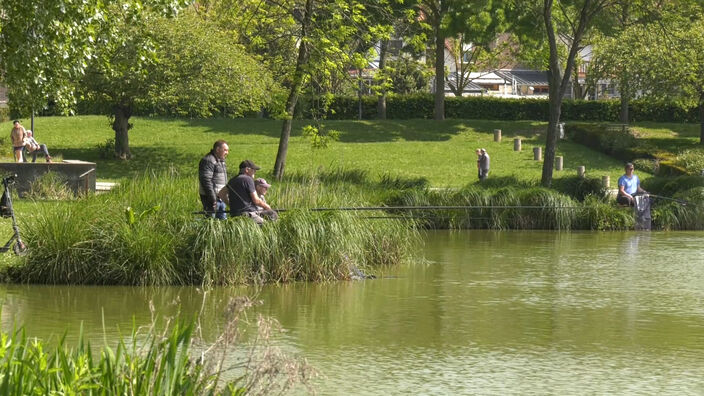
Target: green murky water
488,313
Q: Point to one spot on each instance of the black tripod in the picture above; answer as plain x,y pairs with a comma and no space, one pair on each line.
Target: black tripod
6,210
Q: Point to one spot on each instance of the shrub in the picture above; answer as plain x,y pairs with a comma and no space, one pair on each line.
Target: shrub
651,166
671,186
691,160
106,150
610,141
581,187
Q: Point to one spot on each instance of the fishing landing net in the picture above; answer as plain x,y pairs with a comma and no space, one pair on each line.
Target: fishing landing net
642,209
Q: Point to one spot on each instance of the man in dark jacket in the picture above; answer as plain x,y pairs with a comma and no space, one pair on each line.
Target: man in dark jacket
243,195
212,177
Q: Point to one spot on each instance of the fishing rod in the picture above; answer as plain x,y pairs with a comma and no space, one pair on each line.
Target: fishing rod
411,208
457,207
679,201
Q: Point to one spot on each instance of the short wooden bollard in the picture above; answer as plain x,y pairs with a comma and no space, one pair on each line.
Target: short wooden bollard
538,153
581,170
497,135
558,163
606,181
516,144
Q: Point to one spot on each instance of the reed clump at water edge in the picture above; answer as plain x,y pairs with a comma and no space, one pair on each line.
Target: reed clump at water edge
541,208
171,361
144,233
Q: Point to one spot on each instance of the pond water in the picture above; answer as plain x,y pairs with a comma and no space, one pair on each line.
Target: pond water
485,313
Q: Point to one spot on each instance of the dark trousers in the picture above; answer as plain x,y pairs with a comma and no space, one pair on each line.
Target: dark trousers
41,150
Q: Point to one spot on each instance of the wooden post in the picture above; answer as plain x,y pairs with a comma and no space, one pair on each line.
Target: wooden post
538,153
581,170
558,163
517,144
606,181
497,135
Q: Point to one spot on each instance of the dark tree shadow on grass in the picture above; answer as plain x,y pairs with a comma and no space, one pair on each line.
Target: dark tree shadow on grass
144,158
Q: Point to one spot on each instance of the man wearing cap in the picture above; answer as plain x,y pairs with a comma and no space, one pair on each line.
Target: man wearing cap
484,162
212,177
243,195
262,187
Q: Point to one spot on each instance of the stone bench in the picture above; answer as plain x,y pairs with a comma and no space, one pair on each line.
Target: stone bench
79,175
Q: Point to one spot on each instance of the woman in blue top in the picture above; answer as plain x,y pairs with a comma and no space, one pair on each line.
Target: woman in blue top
628,186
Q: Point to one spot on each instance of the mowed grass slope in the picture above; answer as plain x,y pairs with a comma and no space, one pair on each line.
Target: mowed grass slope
442,152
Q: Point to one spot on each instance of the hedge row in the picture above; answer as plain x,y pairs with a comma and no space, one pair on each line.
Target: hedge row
493,108
414,106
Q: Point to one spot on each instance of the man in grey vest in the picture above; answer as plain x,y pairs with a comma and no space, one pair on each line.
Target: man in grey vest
212,177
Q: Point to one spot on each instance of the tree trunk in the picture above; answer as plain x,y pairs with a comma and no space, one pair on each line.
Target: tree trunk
439,112
701,118
559,80
625,101
121,126
555,109
292,99
359,94
381,102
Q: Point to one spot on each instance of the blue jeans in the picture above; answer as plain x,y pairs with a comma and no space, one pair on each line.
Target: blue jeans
220,212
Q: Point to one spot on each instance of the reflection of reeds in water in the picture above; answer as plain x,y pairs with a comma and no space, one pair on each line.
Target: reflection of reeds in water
169,362
144,233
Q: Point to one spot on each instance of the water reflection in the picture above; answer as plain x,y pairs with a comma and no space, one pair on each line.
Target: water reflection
489,312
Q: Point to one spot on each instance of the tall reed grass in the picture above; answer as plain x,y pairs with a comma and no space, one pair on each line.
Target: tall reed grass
172,361
144,233
502,208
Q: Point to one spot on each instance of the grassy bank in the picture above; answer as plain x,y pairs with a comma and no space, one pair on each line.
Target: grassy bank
144,233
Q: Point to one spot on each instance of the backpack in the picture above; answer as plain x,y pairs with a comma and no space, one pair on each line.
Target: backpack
5,205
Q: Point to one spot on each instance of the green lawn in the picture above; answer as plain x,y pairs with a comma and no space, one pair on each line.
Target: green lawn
442,152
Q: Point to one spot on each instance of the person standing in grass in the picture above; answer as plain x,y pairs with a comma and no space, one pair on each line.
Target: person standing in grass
212,177
628,186
262,187
17,136
484,163
243,195
479,156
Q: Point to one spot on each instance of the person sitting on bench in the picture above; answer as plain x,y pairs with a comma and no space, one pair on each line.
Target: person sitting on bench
33,147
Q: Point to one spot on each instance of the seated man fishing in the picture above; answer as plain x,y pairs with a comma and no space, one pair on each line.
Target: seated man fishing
243,195
262,187
628,186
